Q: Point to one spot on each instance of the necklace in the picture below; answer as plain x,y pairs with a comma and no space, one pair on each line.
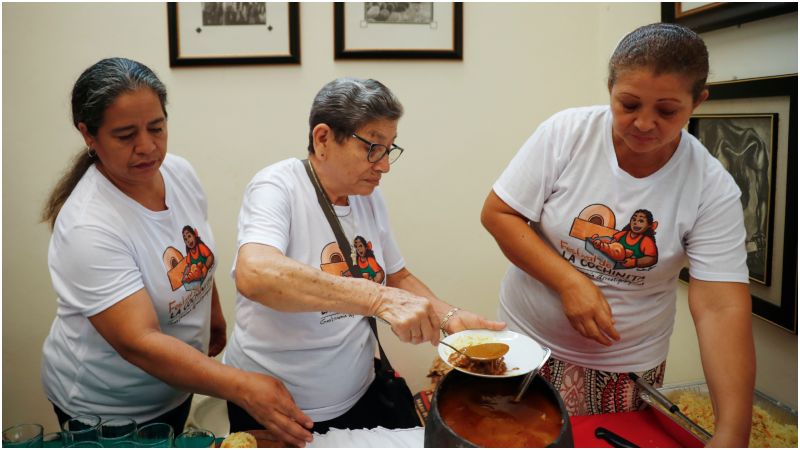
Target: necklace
349,224
332,209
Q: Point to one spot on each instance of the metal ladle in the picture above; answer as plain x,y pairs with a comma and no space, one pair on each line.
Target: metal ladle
529,377
497,354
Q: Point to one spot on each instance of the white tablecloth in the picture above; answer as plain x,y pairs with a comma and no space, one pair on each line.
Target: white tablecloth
376,437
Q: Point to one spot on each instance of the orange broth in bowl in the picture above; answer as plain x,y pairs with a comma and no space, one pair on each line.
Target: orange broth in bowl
482,411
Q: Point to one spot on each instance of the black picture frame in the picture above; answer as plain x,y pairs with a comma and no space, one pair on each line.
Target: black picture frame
287,20
714,16
451,34
782,310
747,146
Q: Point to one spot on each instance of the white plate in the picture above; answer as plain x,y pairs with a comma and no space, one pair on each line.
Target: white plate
524,354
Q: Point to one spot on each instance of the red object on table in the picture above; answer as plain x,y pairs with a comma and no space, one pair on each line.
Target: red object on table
640,427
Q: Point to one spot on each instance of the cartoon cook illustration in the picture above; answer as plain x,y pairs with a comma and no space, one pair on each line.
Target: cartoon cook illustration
366,262
635,245
198,256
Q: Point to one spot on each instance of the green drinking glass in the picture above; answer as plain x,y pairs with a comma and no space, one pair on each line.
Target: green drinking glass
195,438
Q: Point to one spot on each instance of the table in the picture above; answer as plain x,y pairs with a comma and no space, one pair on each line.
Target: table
643,428
640,427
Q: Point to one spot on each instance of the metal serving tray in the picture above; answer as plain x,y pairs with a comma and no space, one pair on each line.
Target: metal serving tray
683,432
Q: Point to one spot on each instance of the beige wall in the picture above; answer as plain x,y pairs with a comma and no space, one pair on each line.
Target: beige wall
464,121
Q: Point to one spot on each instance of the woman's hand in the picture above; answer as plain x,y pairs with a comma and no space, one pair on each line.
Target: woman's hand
466,320
583,303
588,311
412,317
268,401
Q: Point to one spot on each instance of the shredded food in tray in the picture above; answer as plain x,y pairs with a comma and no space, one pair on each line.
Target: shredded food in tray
765,432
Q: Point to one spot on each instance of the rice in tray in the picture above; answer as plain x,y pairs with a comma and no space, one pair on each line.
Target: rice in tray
765,432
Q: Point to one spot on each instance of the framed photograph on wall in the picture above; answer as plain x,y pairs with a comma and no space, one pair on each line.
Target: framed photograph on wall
398,30
746,144
708,16
751,127
218,33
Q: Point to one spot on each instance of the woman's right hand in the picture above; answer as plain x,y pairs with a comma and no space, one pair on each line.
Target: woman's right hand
412,317
588,311
268,401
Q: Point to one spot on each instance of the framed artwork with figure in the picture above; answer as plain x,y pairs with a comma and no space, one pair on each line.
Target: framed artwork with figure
745,144
750,126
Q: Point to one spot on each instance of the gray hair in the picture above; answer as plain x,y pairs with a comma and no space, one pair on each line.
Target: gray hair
99,85
346,104
662,48
94,91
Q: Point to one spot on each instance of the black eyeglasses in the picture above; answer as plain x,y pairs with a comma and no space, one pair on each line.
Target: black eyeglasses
378,151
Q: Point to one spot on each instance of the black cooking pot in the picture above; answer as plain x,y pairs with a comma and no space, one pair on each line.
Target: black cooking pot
439,434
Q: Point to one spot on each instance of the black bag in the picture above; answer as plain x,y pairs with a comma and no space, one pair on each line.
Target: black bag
397,402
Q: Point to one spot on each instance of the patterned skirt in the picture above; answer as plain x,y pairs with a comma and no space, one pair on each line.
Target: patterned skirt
587,391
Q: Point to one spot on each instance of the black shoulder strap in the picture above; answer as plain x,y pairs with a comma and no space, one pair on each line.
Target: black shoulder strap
344,246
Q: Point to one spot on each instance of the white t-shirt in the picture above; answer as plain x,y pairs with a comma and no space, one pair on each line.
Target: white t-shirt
565,179
325,359
105,246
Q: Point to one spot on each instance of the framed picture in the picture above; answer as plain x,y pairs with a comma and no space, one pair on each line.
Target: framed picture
707,16
217,33
746,146
398,30
751,127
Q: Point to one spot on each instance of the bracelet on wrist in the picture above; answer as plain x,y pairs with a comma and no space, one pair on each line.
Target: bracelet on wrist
447,318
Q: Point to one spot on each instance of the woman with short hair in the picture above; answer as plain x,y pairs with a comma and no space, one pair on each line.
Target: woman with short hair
301,315
602,299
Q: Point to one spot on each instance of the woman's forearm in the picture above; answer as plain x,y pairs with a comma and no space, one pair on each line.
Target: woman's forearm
184,367
722,316
265,275
523,246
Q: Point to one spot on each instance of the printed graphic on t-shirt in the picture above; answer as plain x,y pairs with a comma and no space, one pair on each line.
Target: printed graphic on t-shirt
333,262
609,254
366,262
188,271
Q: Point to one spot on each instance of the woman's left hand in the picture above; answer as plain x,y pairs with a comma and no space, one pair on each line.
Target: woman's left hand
466,320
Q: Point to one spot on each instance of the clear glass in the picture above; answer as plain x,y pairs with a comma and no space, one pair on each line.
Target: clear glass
82,428
155,435
195,438
54,440
377,151
23,435
124,444
118,429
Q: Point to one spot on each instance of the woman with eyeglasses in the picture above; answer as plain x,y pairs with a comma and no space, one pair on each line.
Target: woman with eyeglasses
297,318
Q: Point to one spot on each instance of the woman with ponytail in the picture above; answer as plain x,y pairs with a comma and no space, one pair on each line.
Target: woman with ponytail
131,338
